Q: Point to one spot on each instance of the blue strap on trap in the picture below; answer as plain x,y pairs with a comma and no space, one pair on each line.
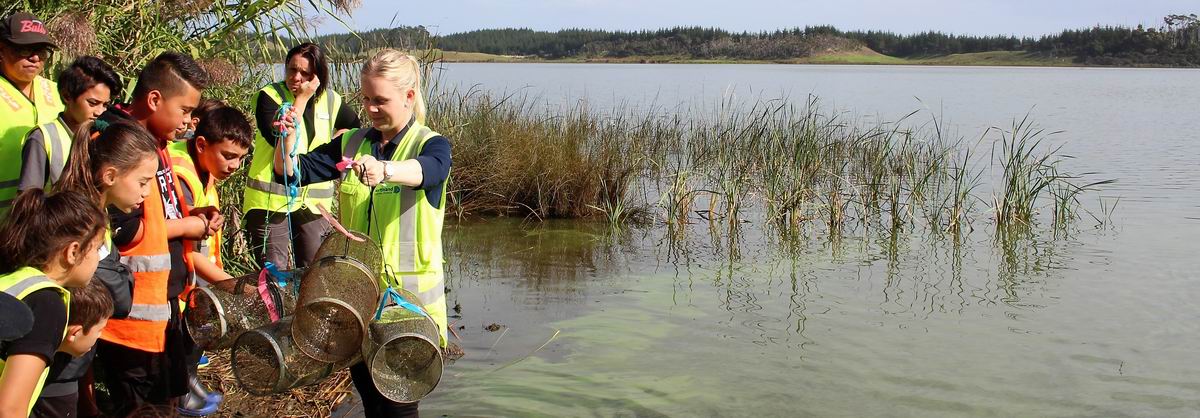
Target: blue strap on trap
392,296
281,277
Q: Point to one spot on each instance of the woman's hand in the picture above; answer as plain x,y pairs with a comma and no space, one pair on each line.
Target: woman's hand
370,171
306,90
283,163
288,122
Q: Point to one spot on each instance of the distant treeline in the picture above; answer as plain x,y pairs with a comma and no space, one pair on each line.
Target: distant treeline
691,42
404,37
1175,43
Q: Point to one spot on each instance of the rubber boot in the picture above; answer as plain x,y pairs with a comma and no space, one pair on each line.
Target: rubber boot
199,402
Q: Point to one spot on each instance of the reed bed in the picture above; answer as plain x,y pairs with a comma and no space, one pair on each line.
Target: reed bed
781,163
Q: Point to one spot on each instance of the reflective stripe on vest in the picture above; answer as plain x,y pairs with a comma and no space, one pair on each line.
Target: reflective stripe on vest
261,190
57,142
281,190
20,116
151,312
401,220
147,263
22,283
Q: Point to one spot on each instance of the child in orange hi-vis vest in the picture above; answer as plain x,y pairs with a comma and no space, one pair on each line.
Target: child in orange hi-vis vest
145,356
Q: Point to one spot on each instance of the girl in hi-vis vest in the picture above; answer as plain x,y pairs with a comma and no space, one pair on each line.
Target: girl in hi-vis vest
396,193
47,243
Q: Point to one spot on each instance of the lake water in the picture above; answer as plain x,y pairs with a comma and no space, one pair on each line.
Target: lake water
1103,322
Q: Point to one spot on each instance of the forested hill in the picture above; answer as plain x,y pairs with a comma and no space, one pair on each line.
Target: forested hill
1175,43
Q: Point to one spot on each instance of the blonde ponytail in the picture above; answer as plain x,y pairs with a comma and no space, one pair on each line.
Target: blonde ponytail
402,69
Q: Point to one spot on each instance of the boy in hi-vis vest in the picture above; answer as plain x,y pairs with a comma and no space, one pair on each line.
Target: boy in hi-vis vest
145,355
221,141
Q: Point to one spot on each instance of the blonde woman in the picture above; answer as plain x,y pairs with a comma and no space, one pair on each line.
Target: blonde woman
396,193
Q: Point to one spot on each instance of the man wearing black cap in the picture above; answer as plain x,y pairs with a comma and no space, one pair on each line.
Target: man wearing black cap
26,98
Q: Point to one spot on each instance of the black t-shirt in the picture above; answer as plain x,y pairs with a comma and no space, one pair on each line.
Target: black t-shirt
49,320
125,225
265,109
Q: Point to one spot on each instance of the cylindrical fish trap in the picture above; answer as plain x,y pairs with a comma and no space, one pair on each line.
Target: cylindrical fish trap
337,296
402,351
215,318
266,361
366,251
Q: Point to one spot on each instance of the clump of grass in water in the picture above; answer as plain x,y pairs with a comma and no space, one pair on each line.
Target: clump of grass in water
1030,174
513,159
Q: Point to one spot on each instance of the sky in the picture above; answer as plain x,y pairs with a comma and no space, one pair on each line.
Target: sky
977,17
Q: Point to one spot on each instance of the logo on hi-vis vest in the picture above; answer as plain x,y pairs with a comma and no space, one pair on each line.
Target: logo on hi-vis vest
388,189
12,102
34,26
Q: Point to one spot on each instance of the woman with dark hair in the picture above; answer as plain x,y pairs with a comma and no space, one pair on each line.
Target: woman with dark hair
270,213
87,87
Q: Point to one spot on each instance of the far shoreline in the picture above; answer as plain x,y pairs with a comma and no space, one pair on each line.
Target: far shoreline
981,59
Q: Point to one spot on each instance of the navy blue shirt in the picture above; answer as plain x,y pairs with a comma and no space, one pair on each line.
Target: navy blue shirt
320,164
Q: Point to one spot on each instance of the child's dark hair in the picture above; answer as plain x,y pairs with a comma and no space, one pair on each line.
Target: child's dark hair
90,304
206,105
168,73
40,226
225,123
87,72
122,144
316,59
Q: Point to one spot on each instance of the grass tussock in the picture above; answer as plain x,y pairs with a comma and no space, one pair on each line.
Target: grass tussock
512,159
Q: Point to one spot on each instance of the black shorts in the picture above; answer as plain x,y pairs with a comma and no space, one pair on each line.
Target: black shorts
375,405
135,377
56,406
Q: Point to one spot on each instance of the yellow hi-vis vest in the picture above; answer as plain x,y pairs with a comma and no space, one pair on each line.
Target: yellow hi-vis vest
261,190
203,194
401,220
57,142
22,283
18,116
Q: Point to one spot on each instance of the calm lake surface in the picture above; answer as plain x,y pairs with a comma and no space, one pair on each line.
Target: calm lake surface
1102,322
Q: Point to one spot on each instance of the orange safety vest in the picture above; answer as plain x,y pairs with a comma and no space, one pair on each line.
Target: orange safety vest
150,262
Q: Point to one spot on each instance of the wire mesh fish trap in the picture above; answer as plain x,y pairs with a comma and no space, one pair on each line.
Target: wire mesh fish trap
215,318
402,351
266,361
366,251
337,295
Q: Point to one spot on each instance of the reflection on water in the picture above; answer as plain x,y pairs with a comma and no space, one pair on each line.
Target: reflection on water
657,323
